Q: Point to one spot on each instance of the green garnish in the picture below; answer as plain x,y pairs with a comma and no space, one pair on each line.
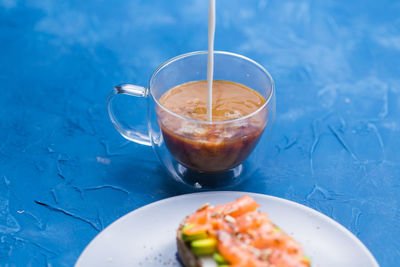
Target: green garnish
205,246
202,234
220,259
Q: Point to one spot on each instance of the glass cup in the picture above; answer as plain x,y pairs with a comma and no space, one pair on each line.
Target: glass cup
202,154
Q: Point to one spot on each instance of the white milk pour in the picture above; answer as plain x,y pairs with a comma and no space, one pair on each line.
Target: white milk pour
210,62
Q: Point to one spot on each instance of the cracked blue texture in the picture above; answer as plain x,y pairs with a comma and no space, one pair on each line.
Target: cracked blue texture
334,147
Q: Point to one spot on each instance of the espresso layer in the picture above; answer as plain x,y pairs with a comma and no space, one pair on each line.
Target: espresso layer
211,147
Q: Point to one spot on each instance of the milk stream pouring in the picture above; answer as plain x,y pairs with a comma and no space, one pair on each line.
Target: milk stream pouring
210,62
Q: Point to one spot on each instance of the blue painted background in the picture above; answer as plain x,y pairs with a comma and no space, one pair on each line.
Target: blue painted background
65,173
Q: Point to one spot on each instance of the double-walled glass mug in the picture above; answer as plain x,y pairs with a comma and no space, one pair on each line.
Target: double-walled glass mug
203,154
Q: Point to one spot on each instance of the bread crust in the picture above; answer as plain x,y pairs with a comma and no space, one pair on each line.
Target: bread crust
184,252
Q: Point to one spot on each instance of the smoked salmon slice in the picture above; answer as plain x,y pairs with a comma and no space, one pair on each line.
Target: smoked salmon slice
240,235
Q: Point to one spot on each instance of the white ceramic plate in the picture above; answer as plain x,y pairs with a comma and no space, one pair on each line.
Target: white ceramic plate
146,236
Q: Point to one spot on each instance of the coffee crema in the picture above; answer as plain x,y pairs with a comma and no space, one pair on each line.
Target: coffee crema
206,146
230,100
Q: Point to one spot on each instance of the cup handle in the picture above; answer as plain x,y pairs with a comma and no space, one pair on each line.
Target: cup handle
129,133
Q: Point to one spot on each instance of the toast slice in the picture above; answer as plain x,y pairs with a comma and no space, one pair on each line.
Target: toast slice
184,252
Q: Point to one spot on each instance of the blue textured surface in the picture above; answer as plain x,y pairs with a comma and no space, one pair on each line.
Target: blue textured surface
65,172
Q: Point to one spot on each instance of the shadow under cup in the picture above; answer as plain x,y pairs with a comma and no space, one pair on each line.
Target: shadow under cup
206,154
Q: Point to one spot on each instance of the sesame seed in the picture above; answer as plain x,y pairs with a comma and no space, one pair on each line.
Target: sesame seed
230,219
206,205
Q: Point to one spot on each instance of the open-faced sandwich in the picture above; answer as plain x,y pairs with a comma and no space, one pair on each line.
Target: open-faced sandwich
236,235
